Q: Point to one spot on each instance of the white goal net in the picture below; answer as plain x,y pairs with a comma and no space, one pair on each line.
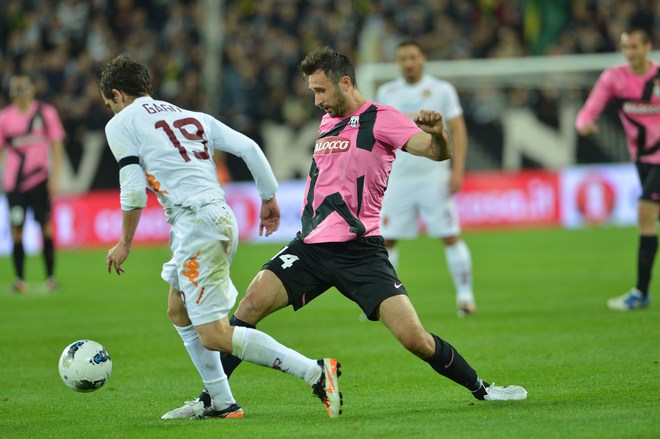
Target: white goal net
521,112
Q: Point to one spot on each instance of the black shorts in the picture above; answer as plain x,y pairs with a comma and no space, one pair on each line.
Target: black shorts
359,269
37,198
649,176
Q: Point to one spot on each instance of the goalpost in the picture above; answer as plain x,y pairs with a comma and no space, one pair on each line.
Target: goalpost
521,111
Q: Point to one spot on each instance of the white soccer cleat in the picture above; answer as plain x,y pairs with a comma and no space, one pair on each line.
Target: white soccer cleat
631,300
505,393
327,387
189,409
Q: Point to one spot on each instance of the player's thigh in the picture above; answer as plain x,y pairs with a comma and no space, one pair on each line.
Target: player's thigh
438,209
265,295
203,245
305,271
39,201
649,176
17,203
442,220
399,213
365,275
176,309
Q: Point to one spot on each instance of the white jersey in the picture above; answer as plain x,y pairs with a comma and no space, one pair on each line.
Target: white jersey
417,185
174,150
429,93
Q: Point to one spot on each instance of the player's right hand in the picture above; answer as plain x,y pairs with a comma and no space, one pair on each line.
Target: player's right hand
588,129
430,122
116,256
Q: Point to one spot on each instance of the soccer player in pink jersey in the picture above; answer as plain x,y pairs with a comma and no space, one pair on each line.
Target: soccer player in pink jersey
31,136
339,244
635,89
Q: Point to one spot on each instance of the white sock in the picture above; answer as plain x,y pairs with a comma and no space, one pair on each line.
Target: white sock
393,256
259,348
209,366
459,263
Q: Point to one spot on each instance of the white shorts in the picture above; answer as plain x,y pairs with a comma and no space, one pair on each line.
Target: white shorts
406,199
203,243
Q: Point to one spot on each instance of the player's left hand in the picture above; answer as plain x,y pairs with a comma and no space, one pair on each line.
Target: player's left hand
269,216
430,122
116,256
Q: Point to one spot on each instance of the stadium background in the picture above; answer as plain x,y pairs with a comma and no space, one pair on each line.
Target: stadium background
238,60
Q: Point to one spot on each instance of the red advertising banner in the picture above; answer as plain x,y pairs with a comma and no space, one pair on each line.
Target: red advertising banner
488,200
94,219
501,199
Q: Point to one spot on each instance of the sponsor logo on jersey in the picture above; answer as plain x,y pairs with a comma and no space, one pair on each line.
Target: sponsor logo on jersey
331,145
641,108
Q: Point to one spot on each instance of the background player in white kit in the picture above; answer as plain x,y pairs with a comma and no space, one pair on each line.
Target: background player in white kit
169,150
403,201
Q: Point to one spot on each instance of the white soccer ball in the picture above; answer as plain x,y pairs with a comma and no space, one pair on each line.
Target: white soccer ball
85,366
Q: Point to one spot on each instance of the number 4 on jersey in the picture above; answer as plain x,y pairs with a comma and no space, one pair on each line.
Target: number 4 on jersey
287,259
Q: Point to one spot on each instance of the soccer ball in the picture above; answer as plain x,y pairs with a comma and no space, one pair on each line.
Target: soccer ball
85,366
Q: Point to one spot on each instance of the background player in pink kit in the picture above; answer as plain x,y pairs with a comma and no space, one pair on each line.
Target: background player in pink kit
340,244
403,201
635,89
31,136
169,150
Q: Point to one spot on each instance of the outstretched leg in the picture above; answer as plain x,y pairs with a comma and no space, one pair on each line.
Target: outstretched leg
400,317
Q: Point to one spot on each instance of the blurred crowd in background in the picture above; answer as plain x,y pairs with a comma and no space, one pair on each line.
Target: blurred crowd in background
65,42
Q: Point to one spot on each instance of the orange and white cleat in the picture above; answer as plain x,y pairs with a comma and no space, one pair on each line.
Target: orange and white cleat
327,387
234,411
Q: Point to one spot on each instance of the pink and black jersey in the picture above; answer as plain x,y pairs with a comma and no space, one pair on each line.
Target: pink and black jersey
352,161
27,137
638,101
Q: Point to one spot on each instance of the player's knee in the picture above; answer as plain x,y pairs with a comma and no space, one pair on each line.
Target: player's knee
216,340
451,240
252,308
178,317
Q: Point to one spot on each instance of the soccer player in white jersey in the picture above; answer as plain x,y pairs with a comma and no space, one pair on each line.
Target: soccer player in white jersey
404,201
339,244
169,150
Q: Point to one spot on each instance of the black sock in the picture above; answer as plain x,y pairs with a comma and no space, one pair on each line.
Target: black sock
449,363
205,397
19,260
229,362
49,256
648,246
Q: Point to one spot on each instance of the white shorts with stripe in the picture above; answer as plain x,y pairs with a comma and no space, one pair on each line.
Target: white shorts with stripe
410,196
203,242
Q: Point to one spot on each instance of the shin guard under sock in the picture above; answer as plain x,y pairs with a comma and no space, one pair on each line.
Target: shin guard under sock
49,256
18,256
648,246
449,363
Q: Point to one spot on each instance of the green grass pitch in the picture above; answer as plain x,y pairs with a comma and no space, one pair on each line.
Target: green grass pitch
541,323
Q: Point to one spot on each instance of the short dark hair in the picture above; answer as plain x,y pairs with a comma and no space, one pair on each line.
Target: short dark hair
410,42
125,74
334,64
642,31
